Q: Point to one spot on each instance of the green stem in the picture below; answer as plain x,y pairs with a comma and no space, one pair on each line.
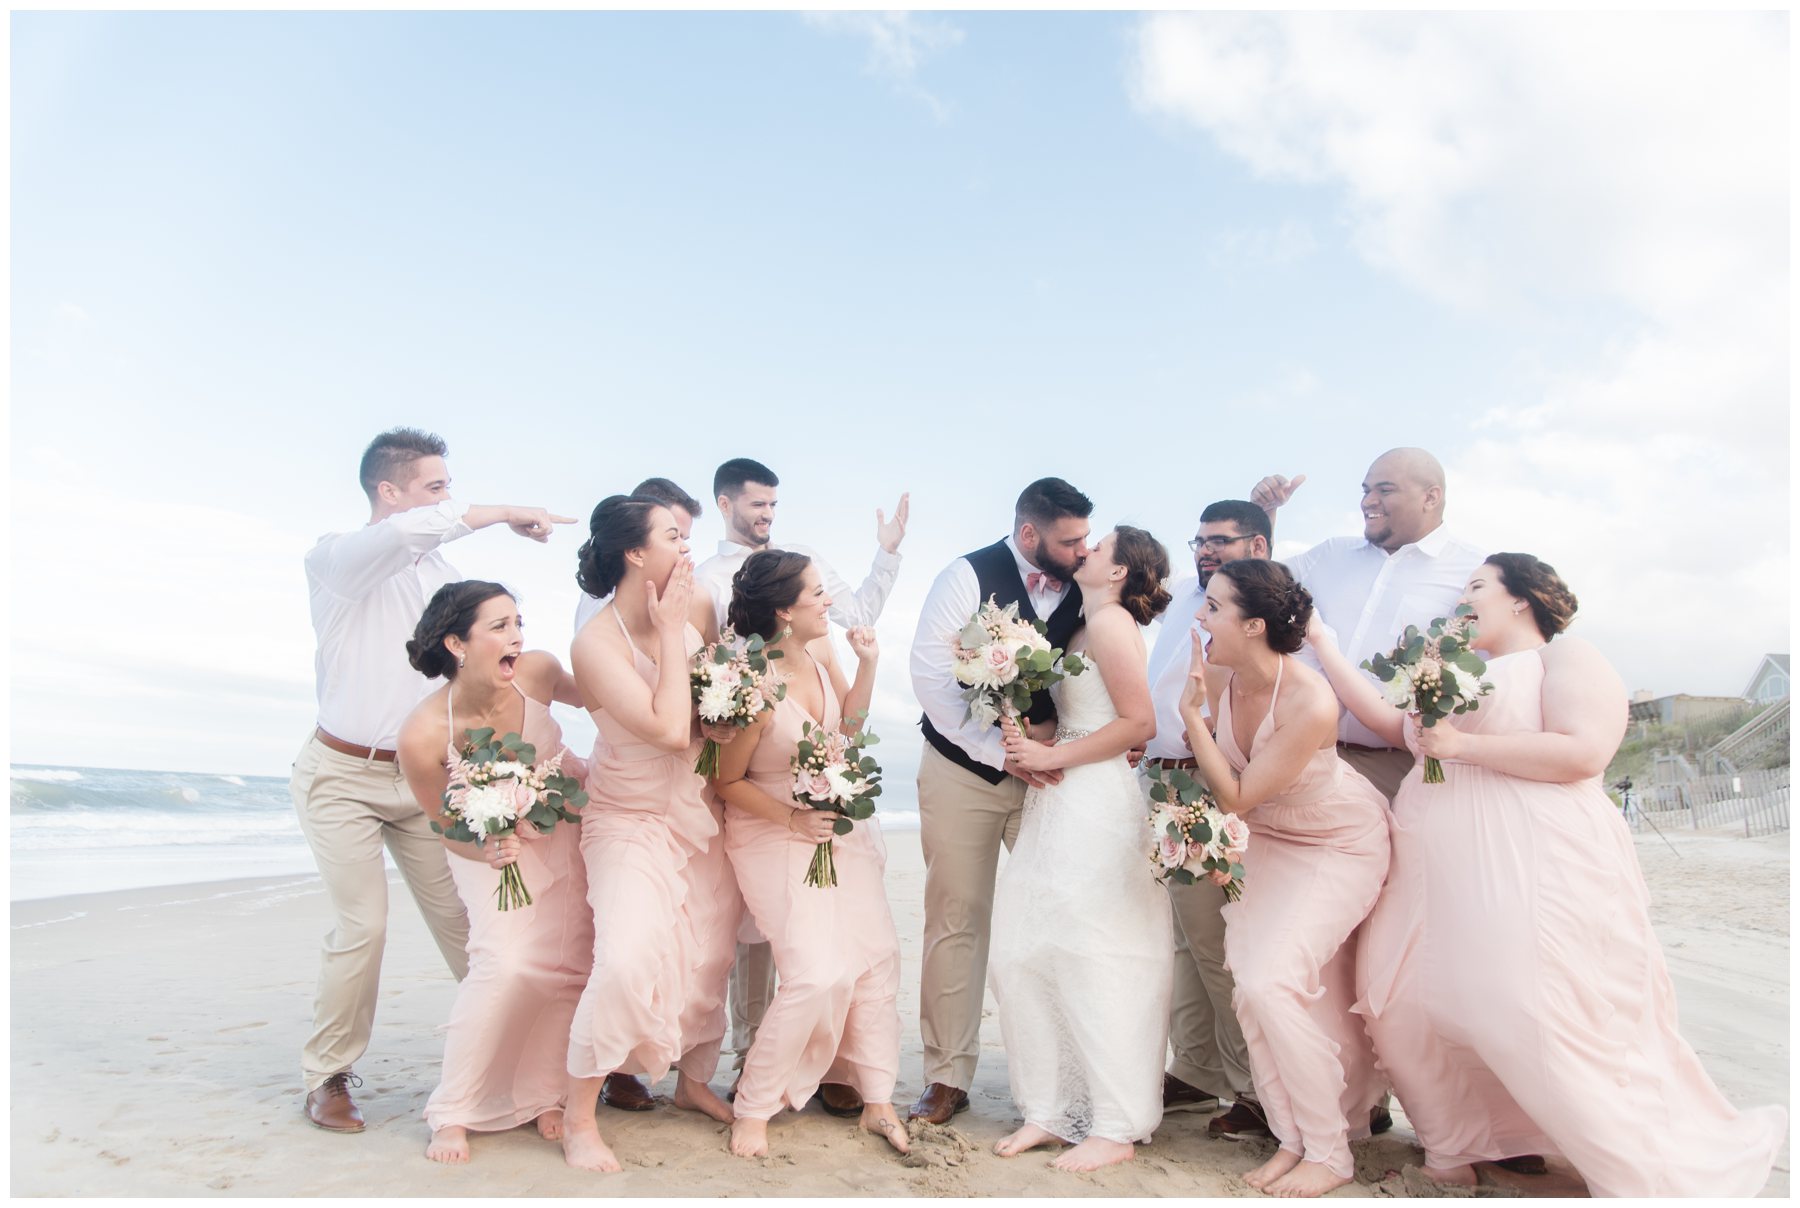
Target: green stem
708,763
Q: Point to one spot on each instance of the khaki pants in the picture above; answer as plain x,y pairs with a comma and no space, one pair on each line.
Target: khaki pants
963,820
348,809
1383,769
752,990
1203,1028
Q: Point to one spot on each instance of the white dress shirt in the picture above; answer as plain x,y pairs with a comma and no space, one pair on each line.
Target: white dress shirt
1368,596
588,606
848,608
1169,667
368,589
951,602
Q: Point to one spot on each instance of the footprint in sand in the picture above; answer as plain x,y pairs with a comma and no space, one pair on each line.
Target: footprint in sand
242,1027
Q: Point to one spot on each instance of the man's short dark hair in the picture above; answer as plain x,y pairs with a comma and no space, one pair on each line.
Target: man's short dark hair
664,491
1246,515
1048,500
390,454
729,479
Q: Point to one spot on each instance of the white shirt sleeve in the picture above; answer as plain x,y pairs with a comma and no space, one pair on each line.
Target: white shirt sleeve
351,565
948,606
863,605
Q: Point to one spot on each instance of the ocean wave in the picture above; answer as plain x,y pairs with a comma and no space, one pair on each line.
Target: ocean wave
237,780
94,830
46,775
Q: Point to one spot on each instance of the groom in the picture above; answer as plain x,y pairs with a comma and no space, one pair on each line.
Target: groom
971,796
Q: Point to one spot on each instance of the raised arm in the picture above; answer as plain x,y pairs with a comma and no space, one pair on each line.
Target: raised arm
854,698
1355,690
354,564
1305,722
862,605
1117,650
609,681
1584,721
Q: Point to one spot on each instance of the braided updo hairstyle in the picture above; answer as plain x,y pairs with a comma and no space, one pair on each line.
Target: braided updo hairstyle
768,580
1146,565
1536,582
1269,592
620,523
451,611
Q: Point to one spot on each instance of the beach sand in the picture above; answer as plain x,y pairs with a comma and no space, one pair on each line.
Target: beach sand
156,1038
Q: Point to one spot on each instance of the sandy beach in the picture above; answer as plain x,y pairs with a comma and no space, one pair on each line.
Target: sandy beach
156,1037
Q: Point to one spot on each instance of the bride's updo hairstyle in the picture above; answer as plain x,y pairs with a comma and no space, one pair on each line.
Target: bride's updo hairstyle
451,611
1536,582
1146,565
768,580
620,523
1269,592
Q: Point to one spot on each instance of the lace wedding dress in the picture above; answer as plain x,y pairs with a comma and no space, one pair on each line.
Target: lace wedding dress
1081,954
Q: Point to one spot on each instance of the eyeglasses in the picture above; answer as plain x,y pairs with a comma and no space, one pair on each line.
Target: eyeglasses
1216,543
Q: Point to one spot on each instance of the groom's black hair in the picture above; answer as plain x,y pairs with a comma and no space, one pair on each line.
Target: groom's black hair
1048,500
1246,515
729,479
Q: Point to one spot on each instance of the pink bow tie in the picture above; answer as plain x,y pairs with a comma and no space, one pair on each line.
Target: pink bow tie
1037,580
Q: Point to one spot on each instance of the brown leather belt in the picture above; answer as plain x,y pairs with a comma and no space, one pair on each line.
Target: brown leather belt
1360,749
1189,762
350,748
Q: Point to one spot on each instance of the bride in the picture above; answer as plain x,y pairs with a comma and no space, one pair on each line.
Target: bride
1081,962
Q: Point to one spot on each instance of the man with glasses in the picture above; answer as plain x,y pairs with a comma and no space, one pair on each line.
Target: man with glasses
1210,1056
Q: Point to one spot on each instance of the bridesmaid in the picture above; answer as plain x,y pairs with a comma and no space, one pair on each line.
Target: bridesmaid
1318,854
834,1016
507,1037
1514,988
664,906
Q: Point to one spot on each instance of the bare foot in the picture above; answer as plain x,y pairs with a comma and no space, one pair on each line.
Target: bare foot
1451,1176
550,1125
880,1118
1094,1153
1283,1161
584,1150
1029,1137
1305,1181
750,1138
449,1145
693,1095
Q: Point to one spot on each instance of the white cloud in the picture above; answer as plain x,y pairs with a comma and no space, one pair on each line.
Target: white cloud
1627,168
898,43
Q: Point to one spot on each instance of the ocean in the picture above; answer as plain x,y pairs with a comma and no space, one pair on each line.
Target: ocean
89,830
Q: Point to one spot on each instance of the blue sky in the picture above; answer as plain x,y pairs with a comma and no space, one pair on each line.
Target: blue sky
1160,256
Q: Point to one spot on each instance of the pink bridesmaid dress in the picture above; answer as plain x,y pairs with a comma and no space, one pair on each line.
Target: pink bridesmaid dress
1318,853
835,1016
1517,995
664,906
505,1044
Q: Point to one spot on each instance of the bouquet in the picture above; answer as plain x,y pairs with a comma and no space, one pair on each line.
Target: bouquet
1193,836
831,772
497,784
1434,673
732,684
1001,660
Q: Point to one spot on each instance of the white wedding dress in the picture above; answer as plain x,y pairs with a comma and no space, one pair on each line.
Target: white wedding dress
1082,958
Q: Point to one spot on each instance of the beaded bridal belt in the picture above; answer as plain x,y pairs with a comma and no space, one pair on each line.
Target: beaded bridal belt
1064,733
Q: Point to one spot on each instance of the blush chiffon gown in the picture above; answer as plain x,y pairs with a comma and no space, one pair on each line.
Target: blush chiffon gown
1517,995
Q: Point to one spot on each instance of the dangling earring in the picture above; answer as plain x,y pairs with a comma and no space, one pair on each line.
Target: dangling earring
460,660
787,631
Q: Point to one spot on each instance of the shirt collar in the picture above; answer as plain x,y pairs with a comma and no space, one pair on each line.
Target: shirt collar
1026,569
731,549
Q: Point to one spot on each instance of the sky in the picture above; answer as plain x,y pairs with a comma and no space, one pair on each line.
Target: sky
948,253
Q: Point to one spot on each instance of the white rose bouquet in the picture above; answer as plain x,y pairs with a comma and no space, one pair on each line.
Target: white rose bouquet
732,683
1001,660
1435,674
1192,837
832,773
496,784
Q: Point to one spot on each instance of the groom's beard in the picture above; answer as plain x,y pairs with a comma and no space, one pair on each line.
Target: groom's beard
1063,570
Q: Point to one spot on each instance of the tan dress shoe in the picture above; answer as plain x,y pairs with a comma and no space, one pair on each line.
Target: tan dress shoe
331,1108
839,1100
939,1102
626,1094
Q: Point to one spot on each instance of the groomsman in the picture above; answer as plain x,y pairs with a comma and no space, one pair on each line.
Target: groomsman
971,796
685,509
1209,1050
1405,569
367,591
745,493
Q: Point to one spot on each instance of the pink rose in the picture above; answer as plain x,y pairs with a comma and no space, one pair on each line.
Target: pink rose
802,785
523,796
1171,850
1000,664
1236,835
818,787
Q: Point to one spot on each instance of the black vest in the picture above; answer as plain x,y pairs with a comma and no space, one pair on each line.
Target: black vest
997,575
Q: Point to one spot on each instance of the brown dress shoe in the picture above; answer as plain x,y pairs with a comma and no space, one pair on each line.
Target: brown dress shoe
839,1100
1525,1163
939,1102
1380,1119
1245,1119
627,1094
330,1106
1178,1096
